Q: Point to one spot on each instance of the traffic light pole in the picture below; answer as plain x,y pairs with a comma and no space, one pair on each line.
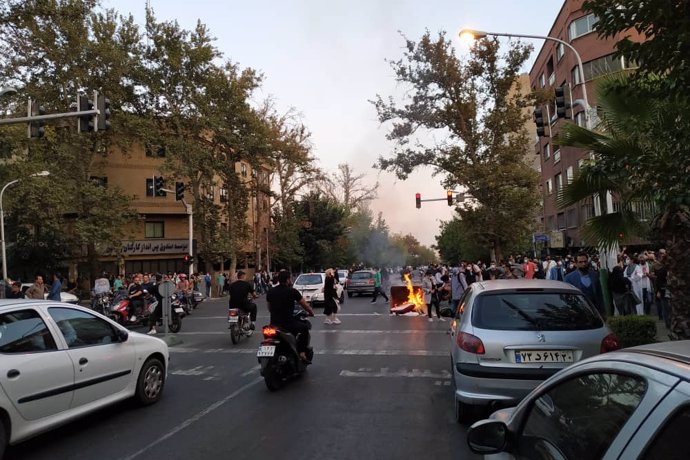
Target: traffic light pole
188,207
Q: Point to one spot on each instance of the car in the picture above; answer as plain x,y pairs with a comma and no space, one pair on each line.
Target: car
509,335
361,282
65,297
628,404
62,361
342,277
311,285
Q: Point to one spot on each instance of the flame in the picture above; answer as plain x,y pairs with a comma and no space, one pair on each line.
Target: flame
415,296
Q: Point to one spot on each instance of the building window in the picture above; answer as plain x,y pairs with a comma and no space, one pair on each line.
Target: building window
561,221
569,175
243,169
542,81
223,195
154,230
605,65
582,26
556,156
575,76
571,218
154,151
580,119
149,186
99,181
549,187
551,223
559,181
547,151
560,51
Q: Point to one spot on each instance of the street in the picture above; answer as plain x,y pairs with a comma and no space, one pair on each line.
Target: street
379,388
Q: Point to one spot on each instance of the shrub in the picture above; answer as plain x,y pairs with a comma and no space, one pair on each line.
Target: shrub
633,330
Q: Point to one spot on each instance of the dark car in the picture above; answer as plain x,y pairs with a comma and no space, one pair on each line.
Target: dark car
360,282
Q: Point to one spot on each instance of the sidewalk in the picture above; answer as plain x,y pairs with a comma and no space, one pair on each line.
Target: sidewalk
661,332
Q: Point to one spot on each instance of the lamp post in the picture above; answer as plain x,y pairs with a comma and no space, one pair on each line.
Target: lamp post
2,220
477,34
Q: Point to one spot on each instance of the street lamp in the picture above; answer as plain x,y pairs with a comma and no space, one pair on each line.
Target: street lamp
2,220
478,34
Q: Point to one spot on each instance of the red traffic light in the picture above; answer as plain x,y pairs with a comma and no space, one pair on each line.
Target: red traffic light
449,195
418,200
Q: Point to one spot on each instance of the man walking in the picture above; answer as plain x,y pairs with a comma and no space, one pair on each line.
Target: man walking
55,288
587,280
377,286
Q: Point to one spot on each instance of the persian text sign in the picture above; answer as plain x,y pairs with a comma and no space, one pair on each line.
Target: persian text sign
152,247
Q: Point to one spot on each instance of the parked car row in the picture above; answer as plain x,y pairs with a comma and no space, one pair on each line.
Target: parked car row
541,346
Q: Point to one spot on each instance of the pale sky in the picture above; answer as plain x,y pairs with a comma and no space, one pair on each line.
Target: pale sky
326,58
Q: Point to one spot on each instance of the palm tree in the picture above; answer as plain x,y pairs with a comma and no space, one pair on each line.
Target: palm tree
640,157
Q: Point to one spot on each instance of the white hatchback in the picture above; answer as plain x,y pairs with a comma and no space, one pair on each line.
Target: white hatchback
311,285
61,361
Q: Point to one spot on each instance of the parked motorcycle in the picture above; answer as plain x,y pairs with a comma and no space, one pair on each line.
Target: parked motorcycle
102,303
278,355
120,312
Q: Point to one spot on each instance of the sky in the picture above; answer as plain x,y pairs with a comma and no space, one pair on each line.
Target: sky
327,59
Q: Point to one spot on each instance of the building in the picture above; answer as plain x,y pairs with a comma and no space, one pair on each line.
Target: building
159,241
556,66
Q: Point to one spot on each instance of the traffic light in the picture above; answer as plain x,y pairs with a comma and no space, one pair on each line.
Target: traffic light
36,128
562,105
418,200
103,104
187,259
86,122
179,191
158,186
449,196
539,121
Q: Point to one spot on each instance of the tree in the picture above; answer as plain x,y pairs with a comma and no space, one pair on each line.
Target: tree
466,120
665,27
347,187
641,158
454,245
322,231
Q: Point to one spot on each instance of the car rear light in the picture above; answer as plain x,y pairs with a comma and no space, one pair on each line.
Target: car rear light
470,343
371,281
269,331
610,343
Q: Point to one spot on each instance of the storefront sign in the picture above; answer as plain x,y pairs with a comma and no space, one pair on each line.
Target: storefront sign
152,247
557,239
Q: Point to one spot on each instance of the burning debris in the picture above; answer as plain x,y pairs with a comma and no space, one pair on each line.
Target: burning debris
407,299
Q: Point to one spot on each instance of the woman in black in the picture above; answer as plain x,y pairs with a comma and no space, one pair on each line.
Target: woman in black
620,287
329,297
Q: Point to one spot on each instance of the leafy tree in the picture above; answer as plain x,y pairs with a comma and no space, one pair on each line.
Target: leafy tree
665,27
639,159
455,244
465,119
322,231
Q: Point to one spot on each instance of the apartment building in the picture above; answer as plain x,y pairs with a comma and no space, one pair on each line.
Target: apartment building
556,66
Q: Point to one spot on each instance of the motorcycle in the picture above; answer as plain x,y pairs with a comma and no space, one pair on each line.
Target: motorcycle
120,312
239,325
197,298
183,301
101,303
278,355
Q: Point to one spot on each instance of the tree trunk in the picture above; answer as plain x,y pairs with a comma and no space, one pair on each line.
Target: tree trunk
233,266
678,254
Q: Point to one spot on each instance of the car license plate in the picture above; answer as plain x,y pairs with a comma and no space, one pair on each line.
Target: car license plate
266,351
543,356
232,319
179,310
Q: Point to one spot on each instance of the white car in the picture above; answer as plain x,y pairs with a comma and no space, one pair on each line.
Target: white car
342,276
311,285
62,361
64,296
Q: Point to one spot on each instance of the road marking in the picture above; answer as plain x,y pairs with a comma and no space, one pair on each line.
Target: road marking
251,371
198,370
384,372
334,331
250,351
193,419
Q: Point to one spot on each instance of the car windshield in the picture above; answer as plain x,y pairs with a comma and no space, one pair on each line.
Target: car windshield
308,279
544,311
362,275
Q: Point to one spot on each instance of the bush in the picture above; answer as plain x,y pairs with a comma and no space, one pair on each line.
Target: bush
633,330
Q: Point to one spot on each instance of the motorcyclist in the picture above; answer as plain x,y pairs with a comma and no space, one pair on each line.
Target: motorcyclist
136,298
184,288
158,311
281,304
240,291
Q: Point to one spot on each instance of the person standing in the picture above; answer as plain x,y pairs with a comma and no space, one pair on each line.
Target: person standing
118,283
457,289
207,285
557,273
330,294
587,280
634,273
220,283
15,291
377,286
38,290
529,269
55,288
430,295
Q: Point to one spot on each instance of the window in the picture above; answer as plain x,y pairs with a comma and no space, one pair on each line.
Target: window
155,151
575,76
580,119
154,230
559,182
149,186
223,195
603,66
551,223
542,81
99,181
549,187
534,311
560,51
24,331
571,218
582,26
309,279
569,175
243,169
556,156
587,212
666,444
580,416
82,329
561,220
547,151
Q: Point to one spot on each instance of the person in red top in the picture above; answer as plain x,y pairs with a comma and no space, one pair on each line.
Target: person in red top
529,269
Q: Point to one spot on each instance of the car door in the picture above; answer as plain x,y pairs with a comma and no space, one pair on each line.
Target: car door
103,365
37,377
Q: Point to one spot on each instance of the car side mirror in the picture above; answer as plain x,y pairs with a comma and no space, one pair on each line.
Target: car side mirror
487,437
122,335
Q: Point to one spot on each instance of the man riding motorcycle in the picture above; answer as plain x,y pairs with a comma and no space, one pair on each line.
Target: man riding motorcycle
240,290
281,304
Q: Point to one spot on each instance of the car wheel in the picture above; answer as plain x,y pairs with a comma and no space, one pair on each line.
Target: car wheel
349,294
151,382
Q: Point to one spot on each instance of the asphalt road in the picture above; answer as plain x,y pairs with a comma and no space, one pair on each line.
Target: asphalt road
379,388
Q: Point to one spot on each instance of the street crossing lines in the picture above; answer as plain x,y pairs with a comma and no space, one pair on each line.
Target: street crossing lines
249,351
384,372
